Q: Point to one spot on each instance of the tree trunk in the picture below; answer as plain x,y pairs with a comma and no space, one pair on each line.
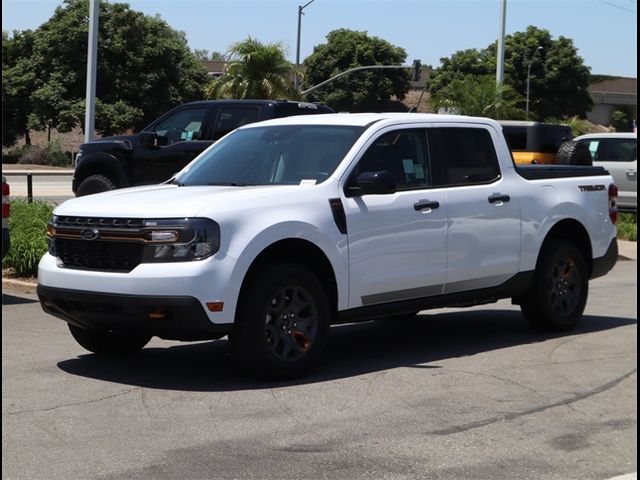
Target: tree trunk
27,138
49,133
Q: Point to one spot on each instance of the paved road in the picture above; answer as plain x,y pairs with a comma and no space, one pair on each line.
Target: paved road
54,188
456,394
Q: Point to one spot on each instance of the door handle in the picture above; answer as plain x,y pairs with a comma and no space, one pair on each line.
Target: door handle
498,197
424,204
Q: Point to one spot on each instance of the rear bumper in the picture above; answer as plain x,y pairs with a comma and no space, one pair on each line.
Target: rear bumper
182,318
605,263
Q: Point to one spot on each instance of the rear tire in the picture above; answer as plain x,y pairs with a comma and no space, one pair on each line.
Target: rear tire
282,322
107,343
560,288
95,184
573,153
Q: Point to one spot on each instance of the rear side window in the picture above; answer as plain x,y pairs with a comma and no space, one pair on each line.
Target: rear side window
230,118
462,156
549,138
516,137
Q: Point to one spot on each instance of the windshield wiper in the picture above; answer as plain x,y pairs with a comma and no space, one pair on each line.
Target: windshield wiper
230,184
173,181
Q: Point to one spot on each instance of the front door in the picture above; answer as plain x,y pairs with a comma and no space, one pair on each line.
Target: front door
182,137
397,242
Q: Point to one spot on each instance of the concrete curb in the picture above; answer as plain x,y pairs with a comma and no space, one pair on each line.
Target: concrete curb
20,285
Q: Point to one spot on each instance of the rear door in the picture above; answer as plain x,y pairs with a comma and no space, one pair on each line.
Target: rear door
483,238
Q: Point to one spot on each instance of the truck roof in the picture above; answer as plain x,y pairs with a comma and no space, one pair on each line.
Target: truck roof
365,119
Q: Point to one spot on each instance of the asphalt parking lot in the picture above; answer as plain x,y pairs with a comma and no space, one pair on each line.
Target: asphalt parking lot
455,394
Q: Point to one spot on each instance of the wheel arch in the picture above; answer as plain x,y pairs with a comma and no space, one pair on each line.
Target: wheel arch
100,163
302,252
574,232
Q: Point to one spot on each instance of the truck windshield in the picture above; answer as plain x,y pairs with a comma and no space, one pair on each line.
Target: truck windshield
273,155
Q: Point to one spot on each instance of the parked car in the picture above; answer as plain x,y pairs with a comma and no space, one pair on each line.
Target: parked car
6,241
618,153
534,142
170,142
285,227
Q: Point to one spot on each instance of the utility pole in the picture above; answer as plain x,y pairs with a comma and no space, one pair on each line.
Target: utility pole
92,67
500,59
300,13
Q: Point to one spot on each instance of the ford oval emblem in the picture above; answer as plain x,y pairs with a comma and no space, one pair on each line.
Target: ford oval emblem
90,234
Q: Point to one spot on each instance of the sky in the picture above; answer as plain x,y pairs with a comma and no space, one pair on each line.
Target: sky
604,31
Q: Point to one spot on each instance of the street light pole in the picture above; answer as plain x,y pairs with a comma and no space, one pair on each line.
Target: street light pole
92,63
529,76
500,53
300,13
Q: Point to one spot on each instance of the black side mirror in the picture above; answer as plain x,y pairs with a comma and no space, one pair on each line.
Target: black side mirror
372,183
152,140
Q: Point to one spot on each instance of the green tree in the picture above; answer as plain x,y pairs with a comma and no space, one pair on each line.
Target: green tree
559,79
478,95
18,81
144,68
621,121
363,90
255,70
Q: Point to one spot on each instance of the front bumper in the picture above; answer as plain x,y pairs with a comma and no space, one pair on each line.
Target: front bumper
168,317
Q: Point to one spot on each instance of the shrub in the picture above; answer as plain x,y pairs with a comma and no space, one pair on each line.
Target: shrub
13,155
628,227
51,154
28,227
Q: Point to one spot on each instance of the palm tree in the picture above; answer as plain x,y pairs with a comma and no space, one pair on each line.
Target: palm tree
479,96
256,70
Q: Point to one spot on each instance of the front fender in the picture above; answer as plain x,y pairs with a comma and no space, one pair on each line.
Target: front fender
333,247
101,163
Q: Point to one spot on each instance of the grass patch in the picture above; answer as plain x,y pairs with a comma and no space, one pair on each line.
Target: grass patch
28,229
628,226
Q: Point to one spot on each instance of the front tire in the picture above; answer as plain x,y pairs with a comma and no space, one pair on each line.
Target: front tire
282,322
560,288
95,184
107,343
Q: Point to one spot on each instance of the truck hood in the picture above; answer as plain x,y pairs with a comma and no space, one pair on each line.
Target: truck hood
171,201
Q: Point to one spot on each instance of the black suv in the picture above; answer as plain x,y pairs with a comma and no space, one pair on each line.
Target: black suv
173,140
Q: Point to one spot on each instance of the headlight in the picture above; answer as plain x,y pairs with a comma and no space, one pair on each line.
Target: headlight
180,240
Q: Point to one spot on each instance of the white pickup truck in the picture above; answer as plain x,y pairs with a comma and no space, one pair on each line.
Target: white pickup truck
284,227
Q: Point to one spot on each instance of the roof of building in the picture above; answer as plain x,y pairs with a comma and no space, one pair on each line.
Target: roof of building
626,85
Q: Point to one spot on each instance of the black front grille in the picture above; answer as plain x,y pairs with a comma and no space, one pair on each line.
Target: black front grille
106,255
109,256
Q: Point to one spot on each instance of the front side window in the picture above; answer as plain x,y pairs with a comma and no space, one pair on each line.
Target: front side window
185,125
274,155
402,153
462,156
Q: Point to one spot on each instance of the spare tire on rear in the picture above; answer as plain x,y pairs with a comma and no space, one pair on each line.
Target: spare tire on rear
573,153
